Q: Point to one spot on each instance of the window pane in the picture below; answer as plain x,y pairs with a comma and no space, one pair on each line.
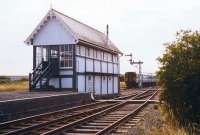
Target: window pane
66,56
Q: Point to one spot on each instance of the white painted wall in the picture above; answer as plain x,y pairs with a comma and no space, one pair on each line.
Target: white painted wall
97,66
104,67
80,64
66,82
97,85
81,83
54,82
66,72
89,83
104,85
110,86
53,33
89,65
116,69
110,68
116,85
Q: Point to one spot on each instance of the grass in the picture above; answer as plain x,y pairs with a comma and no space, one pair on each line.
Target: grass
21,85
123,85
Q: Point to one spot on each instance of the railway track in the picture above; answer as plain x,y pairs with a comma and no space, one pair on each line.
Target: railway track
45,123
140,96
125,123
99,123
23,125
128,124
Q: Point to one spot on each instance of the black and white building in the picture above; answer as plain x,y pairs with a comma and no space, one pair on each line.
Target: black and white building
70,55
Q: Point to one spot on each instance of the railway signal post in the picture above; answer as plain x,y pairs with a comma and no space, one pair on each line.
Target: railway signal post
132,62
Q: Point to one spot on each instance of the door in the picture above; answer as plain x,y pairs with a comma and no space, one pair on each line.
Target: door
53,58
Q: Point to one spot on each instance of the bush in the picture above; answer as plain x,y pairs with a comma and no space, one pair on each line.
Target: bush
179,75
4,79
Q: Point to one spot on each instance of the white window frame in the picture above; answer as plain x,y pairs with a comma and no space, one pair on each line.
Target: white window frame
66,55
39,55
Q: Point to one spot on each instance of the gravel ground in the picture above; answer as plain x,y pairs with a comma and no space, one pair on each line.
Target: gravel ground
20,95
131,91
153,123
150,121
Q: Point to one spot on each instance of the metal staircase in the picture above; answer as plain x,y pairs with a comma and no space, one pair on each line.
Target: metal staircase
41,75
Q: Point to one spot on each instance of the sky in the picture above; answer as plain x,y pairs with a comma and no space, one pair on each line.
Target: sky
140,27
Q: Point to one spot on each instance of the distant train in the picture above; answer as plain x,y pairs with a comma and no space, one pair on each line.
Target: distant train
132,80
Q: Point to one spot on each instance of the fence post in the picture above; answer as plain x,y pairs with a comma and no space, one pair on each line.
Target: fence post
29,80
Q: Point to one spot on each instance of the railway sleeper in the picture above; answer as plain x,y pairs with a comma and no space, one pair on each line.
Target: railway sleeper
102,121
122,130
130,124
117,115
108,118
92,127
76,133
78,130
133,120
97,124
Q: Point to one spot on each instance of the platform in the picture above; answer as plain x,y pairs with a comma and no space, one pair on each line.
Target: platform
22,104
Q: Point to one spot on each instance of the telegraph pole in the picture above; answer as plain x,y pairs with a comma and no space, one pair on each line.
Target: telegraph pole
132,62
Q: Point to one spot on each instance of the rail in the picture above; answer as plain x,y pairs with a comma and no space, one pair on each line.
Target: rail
70,126
112,126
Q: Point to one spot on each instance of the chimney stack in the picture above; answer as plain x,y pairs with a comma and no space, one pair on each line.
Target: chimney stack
107,33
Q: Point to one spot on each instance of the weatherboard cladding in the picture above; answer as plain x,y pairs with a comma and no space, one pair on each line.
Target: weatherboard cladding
80,31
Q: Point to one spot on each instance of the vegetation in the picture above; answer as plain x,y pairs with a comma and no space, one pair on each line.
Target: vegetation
121,77
123,85
179,76
6,85
4,79
154,123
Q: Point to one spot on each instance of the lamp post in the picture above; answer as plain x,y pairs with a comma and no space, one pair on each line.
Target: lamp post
132,62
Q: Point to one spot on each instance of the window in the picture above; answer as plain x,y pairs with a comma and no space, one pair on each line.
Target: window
105,56
54,53
95,54
87,52
66,56
82,50
38,55
89,78
98,55
41,55
78,50
109,57
102,56
44,53
91,53
115,58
